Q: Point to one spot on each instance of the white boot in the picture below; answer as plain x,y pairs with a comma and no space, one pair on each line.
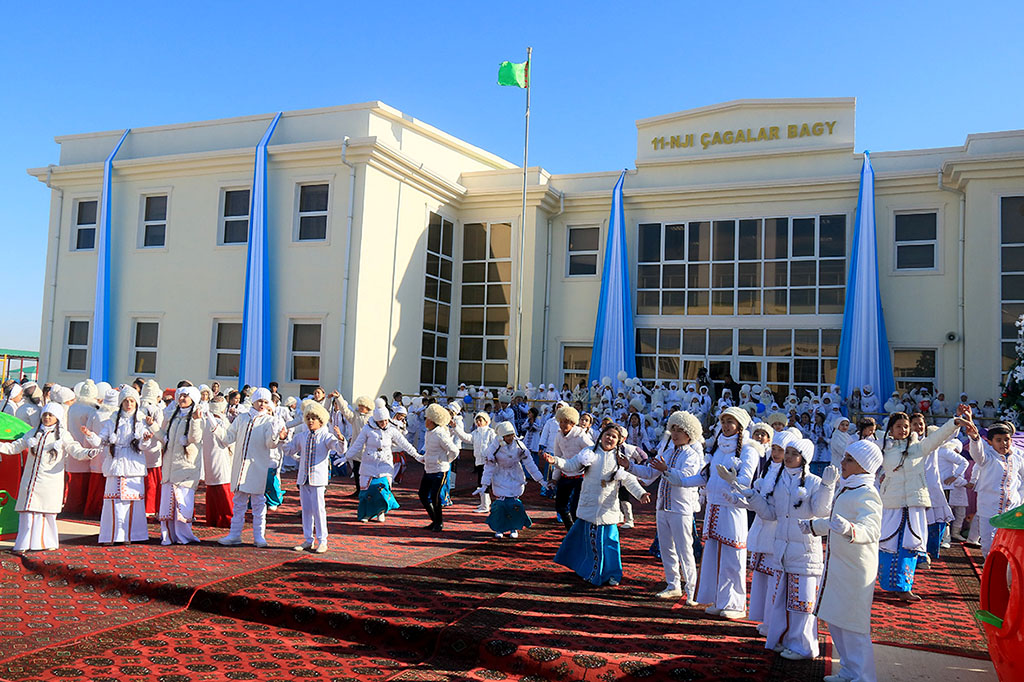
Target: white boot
485,503
626,507
165,534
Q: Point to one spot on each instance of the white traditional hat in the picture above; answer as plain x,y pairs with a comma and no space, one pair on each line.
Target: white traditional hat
505,429
867,455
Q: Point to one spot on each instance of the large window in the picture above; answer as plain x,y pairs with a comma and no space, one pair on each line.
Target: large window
916,241
799,360
575,365
582,251
76,350
227,349
85,224
437,304
304,351
154,221
147,334
914,368
1012,273
312,218
769,266
486,304
234,221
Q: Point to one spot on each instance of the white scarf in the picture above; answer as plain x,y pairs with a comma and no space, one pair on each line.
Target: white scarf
727,444
857,480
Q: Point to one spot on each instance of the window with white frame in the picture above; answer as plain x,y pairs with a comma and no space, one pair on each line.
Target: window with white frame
756,266
485,324
147,334
234,221
76,350
312,218
582,250
1012,276
575,365
916,237
437,304
154,221
914,368
85,224
304,351
227,348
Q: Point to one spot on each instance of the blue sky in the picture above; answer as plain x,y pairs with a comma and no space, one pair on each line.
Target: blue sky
924,74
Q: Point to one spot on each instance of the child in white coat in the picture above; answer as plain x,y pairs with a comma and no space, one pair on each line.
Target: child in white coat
1000,468
181,435
505,461
377,442
483,436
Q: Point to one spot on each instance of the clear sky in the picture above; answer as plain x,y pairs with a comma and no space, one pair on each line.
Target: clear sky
925,74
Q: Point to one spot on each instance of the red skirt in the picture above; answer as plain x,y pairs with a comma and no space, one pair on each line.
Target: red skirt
94,496
153,478
219,505
76,492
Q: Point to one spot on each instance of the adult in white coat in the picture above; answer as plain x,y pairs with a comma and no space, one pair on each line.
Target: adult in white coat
82,413
507,460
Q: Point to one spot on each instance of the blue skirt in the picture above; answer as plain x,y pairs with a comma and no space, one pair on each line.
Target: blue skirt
447,488
896,571
935,533
273,492
508,514
376,499
592,551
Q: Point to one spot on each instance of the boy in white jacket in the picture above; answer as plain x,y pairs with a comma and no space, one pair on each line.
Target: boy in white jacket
1000,468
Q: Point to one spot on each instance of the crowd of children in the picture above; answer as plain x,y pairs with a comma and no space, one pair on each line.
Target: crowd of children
771,482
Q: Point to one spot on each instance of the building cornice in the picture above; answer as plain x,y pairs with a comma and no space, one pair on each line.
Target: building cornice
790,103
375,154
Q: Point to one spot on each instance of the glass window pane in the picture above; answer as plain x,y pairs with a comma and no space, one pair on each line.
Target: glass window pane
694,342
829,370
750,239
145,362
1013,260
722,302
673,303
86,213
668,367
470,372
313,198
442,347
776,238
446,269
313,227
698,276
645,366
913,363
648,276
474,272
306,337
583,238
444,292
673,277
426,371
722,275
227,364
918,256
76,358
648,303
156,208
497,349
471,349
775,301
725,240
495,374
805,342
750,372
698,240
675,242
78,333
832,237
649,243
831,273
236,231
803,236
447,232
749,275
474,241
748,302
430,287
691,368
497,321
647,341
229,335
831,300
472,321
434,234
440,373
802,301
668,342
430,315
154,235
499,272
805,371
697,302
146,334
719,342
777,373
499,294
473,295
501,240
86,238
306,367
802,273
1011,312
444,313
750,342
779,342
1012,220
1009,357
427,345
236,202
915,227
776,274
830,343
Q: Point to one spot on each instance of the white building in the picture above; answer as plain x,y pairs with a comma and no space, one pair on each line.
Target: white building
395,251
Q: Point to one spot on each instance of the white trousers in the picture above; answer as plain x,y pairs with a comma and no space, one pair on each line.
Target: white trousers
855,653
723,577
761,586
675,539
123,516
259,515
314,513
177,504
790,619
36,531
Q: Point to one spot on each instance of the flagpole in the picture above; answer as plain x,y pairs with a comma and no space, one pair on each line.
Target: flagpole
522,230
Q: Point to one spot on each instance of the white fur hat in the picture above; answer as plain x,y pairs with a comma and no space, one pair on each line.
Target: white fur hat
777,417
109,399
438,415
455,407
637,404
741,416
797,433
219,405
567,412
312,407
505,429
58,394
364,401
761,426
88,393
290,401
261,394
401,410
56,409
784,439
688,423
867,454
150,394
483,415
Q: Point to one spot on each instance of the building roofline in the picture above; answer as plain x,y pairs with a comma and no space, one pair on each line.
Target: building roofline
782,103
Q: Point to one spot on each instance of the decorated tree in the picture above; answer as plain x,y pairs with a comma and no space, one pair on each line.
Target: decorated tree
1011,401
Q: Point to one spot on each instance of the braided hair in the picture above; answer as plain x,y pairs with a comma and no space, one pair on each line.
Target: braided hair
706,471
893,418
134,444
56,432
188,418
778,475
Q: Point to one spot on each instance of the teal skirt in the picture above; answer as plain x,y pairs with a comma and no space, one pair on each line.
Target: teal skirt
376,499
508,514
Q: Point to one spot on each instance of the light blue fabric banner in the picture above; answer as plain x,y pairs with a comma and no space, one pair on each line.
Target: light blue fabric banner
255,361
99,361
614,342
864,357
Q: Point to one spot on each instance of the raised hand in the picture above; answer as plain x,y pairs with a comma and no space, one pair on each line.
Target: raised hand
727,475
282,434
623,461
658,464
149,420
337,433
829,476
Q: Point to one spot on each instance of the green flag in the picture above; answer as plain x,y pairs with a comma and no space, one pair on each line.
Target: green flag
510,73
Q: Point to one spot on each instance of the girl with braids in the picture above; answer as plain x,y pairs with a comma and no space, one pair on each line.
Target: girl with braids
792,498
128,438
41,493
591,548
181,435
905,500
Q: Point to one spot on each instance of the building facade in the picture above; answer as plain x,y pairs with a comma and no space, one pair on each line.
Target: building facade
395,252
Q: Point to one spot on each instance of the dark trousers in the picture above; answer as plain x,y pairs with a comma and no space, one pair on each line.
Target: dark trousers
430,495
567,498
479,469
